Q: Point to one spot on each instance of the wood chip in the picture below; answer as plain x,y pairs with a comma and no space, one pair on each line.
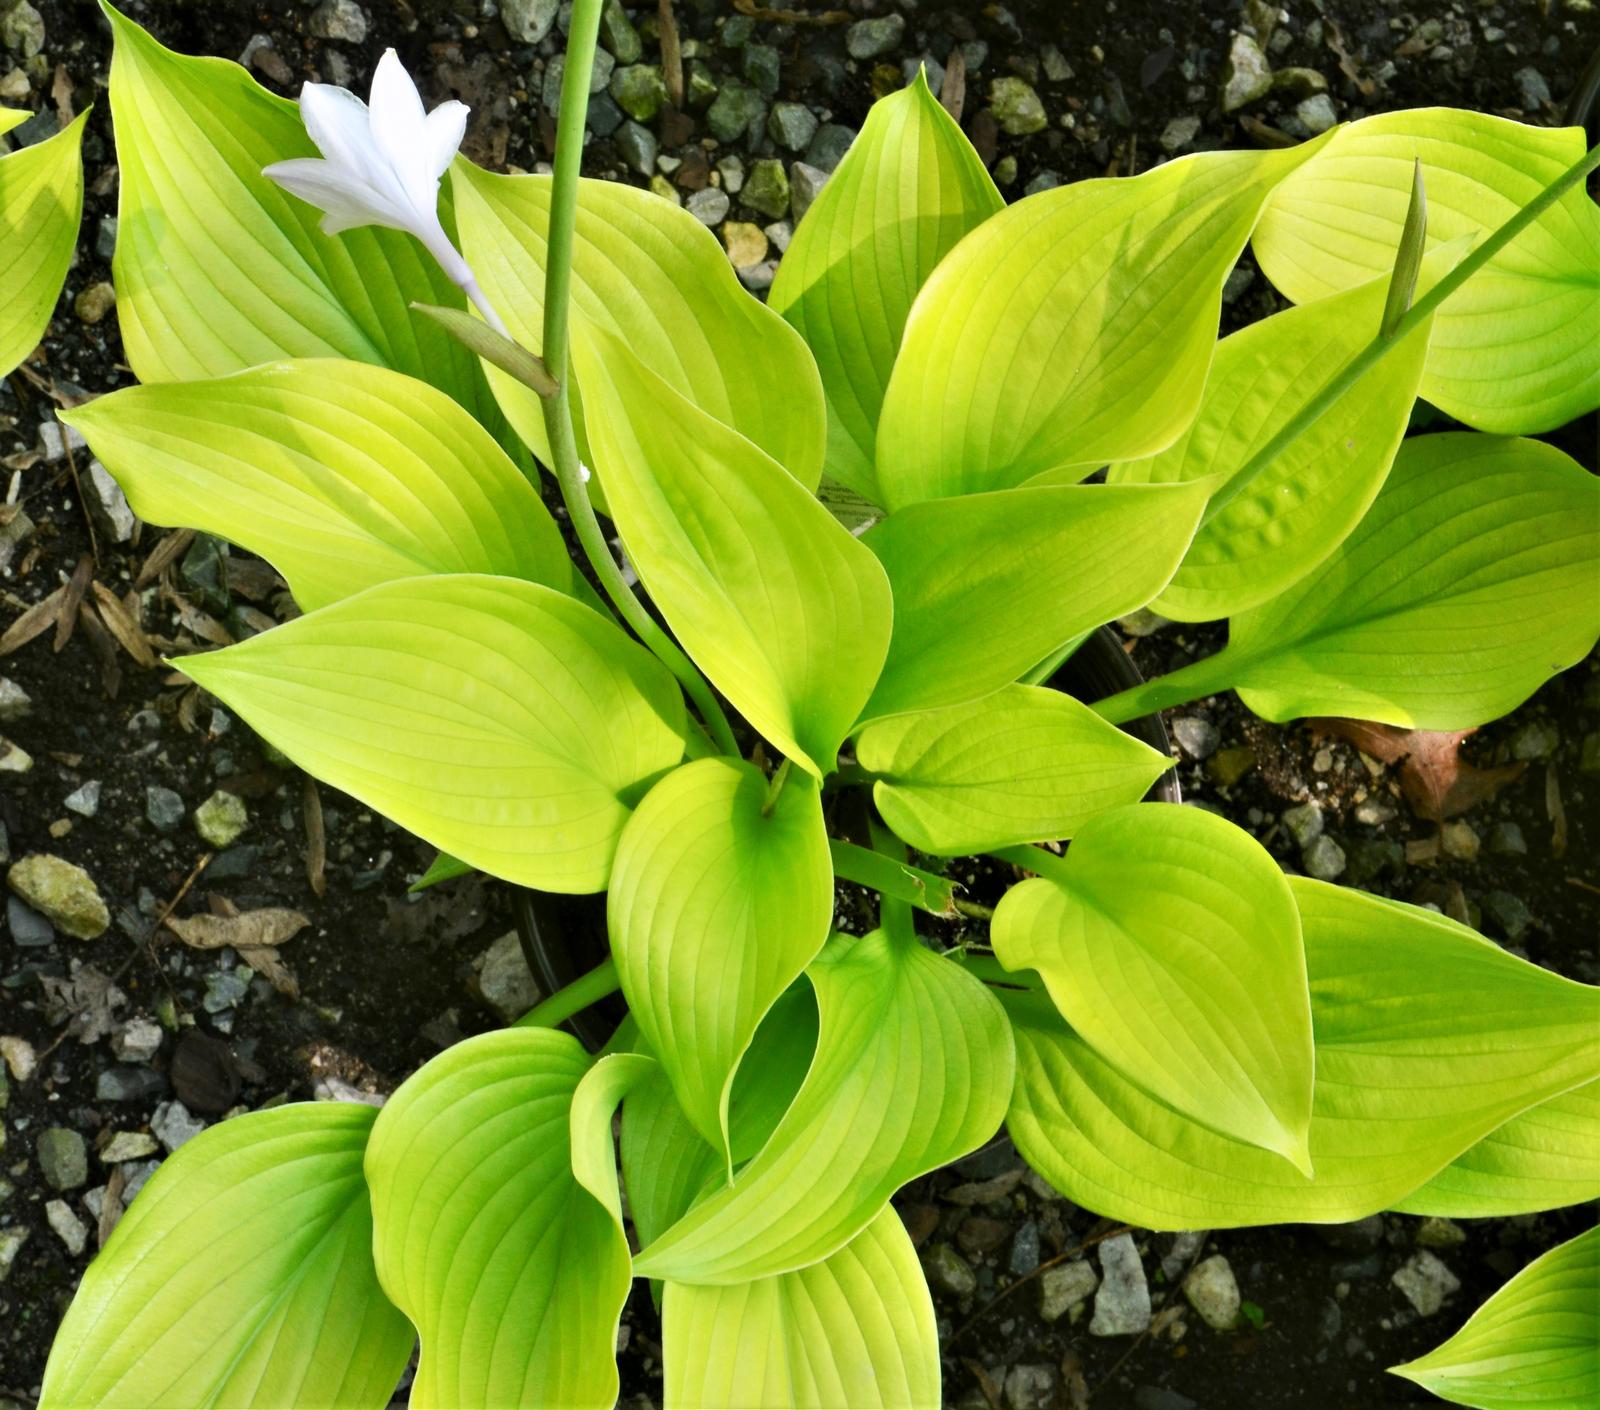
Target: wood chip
954,92
671,53
316,837
1556,810
111,1205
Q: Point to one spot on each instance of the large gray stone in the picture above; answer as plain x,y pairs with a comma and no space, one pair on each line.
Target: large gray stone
1122,1305
528,21
63,1158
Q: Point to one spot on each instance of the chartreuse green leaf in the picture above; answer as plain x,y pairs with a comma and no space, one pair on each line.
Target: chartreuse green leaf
1513,350
340,474
1170,941
1536,1342
913,1069
644,270
907,190
218,269
11,117
1428,1037
1546,1158
1469,583
1025,764
41,203
1073,328
717,904
855,1329
497,1225
1307,499
242,1275
667,1164
786,613
985,587
497,719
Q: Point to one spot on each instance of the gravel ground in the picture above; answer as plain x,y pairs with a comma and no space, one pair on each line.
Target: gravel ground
119,1047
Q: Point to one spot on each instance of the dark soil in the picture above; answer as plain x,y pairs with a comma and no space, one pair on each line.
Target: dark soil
385,981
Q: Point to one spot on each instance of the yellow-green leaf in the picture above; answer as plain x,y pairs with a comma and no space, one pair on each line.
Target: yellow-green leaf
1074,328
499,720
913,1069
1025,764
907,190
1428,1037
856,1329
219,269
242,1275
986,586
1308,498
41,203
786,613
647,271
1170,942
1546,1158
1534,1345
1513,349
716,905
341,474
495,1227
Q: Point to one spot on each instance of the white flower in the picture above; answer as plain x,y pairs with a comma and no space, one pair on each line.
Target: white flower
381,165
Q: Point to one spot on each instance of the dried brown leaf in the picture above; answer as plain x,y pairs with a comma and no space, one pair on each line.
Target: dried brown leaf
953,93
37,620
271,925
1437,781
67,615
114,613
105,649
168,551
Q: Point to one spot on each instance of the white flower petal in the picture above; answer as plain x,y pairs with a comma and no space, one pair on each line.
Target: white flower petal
346,201
447,125
399,124
338,122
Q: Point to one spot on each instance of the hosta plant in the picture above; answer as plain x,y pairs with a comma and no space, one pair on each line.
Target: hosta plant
356,375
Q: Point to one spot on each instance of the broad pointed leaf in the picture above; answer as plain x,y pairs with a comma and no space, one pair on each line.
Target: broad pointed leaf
907,190
242,1275
1025,764
1170,941
1307,499
1535,1343
1428,1038
667,1164
717,904
1546,1158
986,586
1513,349
1071,329
856,1329
645,270
219,269
499,720
12,117
510,1265
340,474
1468,585
912,1071
41,204
786,613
